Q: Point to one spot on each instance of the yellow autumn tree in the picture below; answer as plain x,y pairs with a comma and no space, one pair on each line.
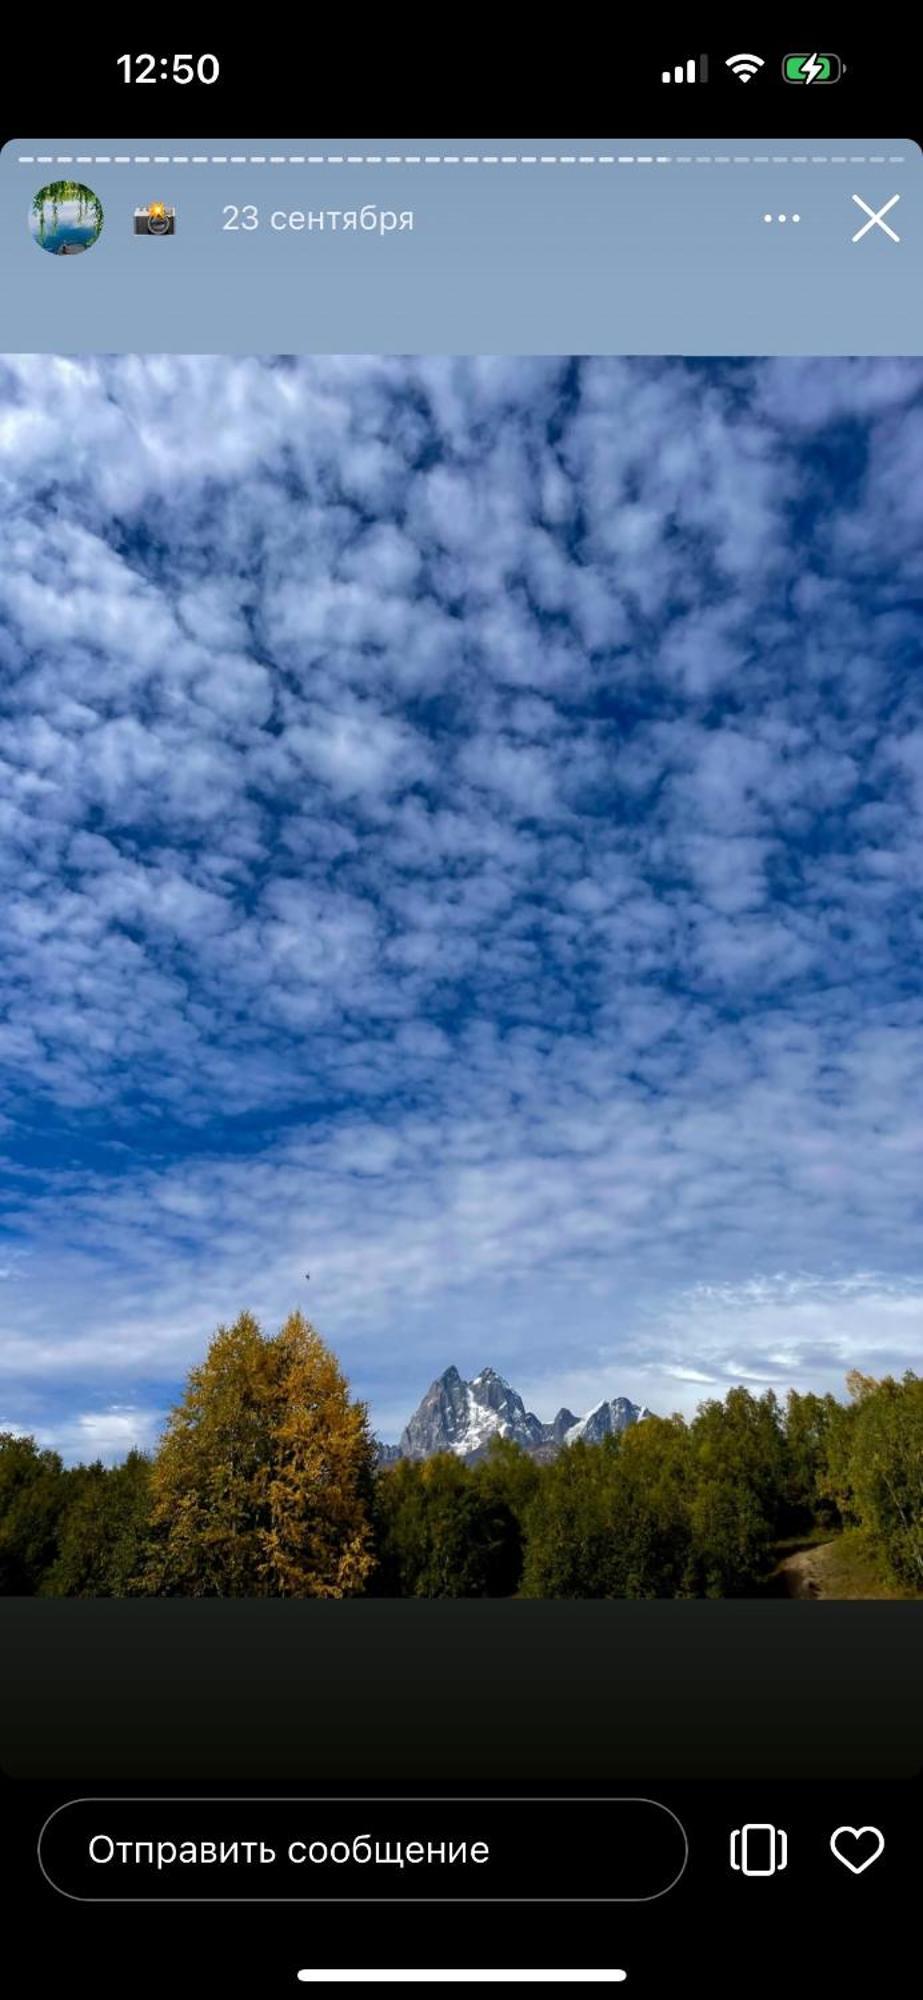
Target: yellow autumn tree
318,1541
262,1482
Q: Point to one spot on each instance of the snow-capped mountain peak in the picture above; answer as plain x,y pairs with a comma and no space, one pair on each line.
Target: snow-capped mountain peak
604,1420
463,1417
460,1416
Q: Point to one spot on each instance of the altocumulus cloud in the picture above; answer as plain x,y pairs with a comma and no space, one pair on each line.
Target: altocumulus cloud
461,836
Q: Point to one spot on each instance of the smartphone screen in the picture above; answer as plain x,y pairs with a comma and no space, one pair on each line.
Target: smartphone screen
461,1321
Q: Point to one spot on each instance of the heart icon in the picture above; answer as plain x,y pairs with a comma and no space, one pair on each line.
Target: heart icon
849,1843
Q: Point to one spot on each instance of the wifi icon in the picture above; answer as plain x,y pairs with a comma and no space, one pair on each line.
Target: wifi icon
745,66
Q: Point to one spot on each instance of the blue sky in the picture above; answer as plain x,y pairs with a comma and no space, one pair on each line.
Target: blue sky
461,837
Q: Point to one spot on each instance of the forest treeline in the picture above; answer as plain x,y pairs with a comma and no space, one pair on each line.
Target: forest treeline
265,1483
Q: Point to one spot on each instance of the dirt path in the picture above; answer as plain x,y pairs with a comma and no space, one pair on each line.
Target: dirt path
802,1575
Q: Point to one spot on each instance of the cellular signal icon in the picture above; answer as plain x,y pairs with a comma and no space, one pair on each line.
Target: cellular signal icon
690,71
744,67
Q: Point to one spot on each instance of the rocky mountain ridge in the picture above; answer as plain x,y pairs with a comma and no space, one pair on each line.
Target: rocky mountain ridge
463,1417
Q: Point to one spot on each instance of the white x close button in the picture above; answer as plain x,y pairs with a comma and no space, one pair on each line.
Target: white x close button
876,218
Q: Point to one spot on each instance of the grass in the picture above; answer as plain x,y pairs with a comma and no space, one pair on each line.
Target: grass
842,1567
849,1568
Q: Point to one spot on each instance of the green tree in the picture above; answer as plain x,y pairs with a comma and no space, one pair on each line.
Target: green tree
32,1489
653,1472
809,1424
612,1519
440,1533
573,1548
103,1531
885,1470
737,1491
509,1481
261,1486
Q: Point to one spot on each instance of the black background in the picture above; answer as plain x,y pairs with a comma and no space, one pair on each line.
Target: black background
490,1693
806,1715
815,1928
472,74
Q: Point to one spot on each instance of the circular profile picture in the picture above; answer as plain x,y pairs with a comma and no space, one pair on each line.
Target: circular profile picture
65,218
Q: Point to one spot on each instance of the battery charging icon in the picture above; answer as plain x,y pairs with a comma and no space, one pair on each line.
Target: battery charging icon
812,69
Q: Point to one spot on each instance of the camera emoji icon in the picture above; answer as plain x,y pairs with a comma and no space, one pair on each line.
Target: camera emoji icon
155,220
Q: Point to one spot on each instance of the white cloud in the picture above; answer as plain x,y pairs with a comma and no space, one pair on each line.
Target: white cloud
459,835
103,1434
